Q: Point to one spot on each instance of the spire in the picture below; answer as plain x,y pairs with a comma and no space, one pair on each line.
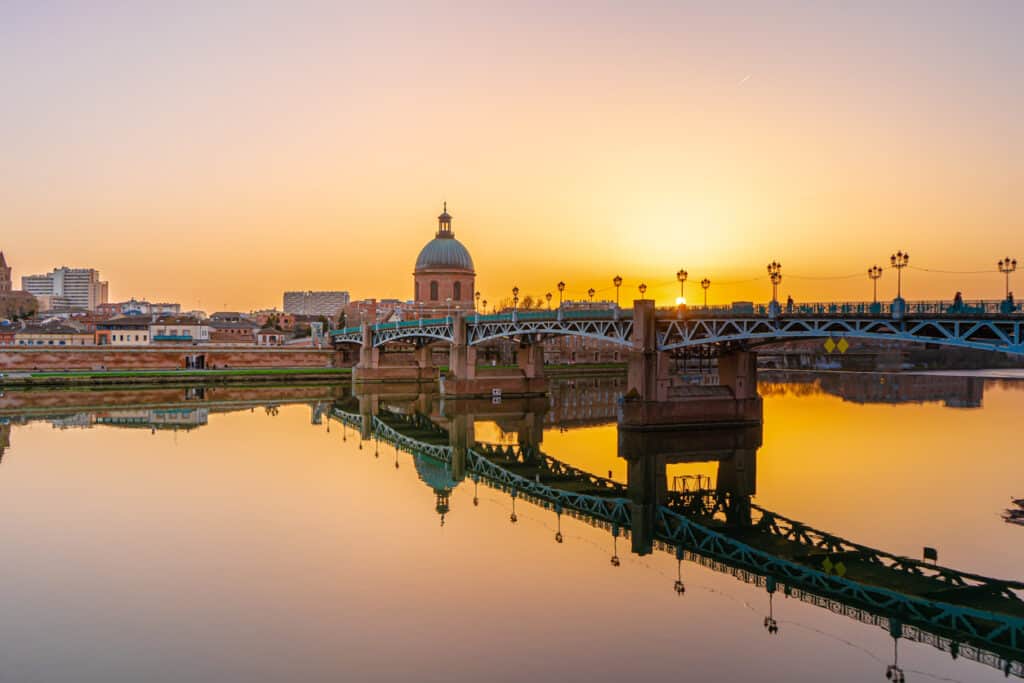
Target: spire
444,223
3,261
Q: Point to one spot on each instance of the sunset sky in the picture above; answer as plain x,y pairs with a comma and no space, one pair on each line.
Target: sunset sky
218,157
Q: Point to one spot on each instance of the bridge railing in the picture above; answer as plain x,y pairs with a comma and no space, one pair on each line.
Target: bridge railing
851,308
867,309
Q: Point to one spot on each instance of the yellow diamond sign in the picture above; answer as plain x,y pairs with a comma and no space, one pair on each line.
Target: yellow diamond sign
843,345
830,345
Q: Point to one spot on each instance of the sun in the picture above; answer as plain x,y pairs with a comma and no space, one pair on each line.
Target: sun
680,300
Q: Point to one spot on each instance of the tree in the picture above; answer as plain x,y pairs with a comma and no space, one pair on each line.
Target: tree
342,322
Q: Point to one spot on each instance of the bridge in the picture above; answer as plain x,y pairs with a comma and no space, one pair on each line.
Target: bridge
986,325
963,614
653,341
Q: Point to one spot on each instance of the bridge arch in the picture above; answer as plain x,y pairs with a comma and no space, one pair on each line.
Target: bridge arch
610,331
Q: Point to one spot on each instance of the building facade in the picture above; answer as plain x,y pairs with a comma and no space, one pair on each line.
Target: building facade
128,330
179,330
53,335
444,279
5,275
327,304
137,307
79,287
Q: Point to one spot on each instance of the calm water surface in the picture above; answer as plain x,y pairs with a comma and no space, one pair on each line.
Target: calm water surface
221,541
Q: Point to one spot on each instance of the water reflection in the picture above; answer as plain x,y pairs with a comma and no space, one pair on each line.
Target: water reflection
961,613
704,520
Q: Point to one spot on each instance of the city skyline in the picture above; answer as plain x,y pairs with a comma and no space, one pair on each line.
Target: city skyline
570,146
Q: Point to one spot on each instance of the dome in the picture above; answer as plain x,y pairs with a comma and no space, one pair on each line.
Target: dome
444,253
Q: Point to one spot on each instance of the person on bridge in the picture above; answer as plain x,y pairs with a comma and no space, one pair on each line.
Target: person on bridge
958,301
789,304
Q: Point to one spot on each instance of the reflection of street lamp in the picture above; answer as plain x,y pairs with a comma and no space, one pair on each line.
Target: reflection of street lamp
899,261
618,283
874,272
775,273
590,293
894,672
548,297
1007,266
705,283
561,288
681,275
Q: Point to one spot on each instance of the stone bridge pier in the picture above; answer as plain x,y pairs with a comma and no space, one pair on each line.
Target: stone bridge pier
657,397
377,365
466,379
648,453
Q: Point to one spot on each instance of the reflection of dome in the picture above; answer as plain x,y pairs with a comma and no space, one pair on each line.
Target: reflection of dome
444,253
435,474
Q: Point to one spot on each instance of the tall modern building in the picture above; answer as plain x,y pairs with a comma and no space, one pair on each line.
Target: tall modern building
80,287
327,304
5,275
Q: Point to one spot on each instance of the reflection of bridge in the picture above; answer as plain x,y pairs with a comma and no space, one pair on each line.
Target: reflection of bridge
967,615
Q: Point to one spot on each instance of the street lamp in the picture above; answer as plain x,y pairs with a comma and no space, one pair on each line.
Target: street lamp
899,261
681,275
643,289
477,297
874,272
590,293
561,288
705,283
448,303
1007,266
515,298
548,297
618,283
485,306
775,273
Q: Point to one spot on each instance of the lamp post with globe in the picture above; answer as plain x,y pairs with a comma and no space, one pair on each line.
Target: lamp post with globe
681,275
775,275
899,261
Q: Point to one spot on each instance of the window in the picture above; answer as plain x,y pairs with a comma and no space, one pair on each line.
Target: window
457,291
417,297
433,290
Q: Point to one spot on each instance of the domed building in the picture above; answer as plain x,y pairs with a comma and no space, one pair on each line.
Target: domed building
444,271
